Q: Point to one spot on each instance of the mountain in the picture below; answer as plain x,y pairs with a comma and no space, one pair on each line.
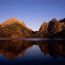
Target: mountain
52,27
44,27
43,32
11,21
56,26
14,28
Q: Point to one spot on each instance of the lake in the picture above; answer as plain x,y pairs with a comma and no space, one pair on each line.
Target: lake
32,51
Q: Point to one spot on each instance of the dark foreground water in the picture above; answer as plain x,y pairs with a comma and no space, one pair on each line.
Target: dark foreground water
32,52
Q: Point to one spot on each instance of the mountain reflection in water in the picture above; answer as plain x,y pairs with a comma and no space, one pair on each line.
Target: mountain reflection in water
32,50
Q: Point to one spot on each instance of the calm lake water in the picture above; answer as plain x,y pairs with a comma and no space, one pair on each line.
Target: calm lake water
32,51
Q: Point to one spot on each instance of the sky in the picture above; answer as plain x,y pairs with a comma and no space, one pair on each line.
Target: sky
32,12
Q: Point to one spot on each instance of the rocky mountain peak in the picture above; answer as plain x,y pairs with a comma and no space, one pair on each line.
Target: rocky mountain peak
54,20
12,20
44,27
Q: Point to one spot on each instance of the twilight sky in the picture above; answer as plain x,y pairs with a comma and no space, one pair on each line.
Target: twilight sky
32,12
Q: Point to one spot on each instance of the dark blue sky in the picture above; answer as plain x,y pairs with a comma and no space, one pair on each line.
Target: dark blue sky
33,12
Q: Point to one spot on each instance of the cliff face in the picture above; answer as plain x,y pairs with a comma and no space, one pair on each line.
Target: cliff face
56,26
15,29
43,32
52,27
44,27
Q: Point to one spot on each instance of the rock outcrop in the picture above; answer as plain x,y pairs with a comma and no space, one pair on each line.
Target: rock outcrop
52,27
56,26
43,32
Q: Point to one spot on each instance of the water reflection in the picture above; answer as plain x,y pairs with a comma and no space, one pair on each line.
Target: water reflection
54,48
14,48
